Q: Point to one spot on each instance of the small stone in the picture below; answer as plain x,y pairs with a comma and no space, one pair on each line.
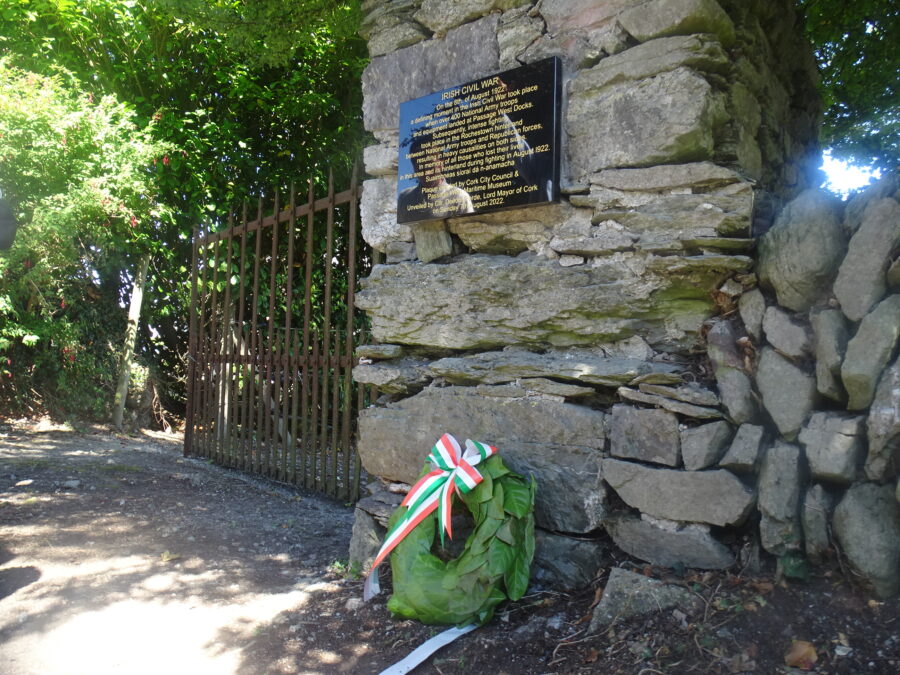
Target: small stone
743,455
831,333
869,351
752,307
713,497
353,604
689,393
378,352
544,386
565,563
834,446
628,594
818,504
702,446
785,334
432,240
883,460
861,280
571,260
867,525
71,484
400,376
399,251
675,544
788,393
648,435
735,388
679,407
779,499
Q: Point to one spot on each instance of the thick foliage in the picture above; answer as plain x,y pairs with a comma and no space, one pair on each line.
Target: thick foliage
252,95
78,172
856,46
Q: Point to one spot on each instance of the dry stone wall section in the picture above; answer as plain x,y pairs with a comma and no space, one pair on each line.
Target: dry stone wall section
675,397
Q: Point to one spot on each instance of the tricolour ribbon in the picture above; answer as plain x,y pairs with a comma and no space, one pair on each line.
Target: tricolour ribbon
454,472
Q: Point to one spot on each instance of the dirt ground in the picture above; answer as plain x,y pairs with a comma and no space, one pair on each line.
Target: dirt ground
117,555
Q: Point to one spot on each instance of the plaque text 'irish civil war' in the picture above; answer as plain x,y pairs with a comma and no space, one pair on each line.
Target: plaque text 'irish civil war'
481,146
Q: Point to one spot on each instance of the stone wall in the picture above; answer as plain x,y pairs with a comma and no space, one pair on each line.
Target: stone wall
574,336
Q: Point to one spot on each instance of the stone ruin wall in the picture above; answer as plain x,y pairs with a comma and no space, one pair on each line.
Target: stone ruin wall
692,351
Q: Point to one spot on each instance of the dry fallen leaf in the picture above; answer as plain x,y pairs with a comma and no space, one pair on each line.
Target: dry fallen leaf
592,656
802,655
598,594
166,556
764,586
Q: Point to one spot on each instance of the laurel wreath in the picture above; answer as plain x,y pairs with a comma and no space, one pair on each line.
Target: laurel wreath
494,565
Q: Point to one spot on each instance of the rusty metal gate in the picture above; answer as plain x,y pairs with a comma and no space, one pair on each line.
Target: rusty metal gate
272,331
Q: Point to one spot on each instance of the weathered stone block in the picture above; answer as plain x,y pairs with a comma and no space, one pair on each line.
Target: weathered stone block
788,393
867,525
567,564
491,301
378,214
680,407
541,385
390,26
441,16
799,257
578,365
714,497
883,460
689,393
559,443
861,279
700,52
513,231
378,352
365,541
628,594
830,336
835,446
465,53
702,446
381,159
678,221
647,435
743,454
735,388
752,307
669,544
779,499
818,505
432,241
400,376
869,352
664,119
656,18
786,333
699,177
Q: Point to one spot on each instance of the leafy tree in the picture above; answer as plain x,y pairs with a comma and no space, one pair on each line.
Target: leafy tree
253,95
77,171
856,46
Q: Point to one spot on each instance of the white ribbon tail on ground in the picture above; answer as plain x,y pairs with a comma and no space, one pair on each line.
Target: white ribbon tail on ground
425,650
372,587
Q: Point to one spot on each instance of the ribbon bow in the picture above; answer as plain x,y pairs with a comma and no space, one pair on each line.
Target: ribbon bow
454,472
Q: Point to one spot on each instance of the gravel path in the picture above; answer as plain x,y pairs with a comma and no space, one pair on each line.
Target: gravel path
119,556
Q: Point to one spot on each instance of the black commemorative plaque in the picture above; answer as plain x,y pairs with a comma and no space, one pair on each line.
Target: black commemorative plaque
488,144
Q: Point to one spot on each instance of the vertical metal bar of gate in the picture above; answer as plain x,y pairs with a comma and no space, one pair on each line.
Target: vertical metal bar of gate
268,391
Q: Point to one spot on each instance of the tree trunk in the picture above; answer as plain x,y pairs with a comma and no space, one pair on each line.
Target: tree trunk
134,314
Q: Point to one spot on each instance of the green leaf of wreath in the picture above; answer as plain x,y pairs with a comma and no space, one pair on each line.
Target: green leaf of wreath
493,566
517,499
